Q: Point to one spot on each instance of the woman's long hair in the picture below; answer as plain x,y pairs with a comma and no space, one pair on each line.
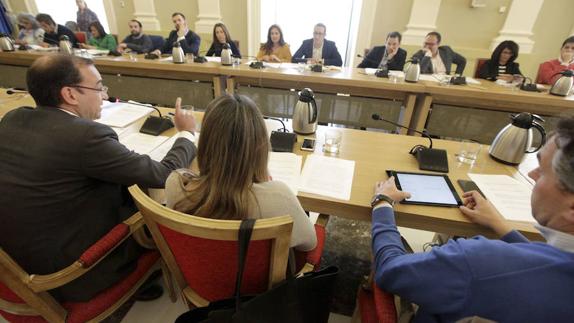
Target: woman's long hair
495,58
268,46
232,155
99,28
225,31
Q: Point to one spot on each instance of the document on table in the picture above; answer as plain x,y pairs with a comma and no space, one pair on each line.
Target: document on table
510,197
120,115
214,59
286,168
161,151
142,143
529,163
327,176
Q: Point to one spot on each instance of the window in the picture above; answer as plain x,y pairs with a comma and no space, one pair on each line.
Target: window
65,10
298,17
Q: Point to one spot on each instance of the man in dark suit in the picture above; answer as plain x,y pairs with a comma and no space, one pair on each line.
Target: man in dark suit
318,49
435,59
54,31
387,57
188,40
63,177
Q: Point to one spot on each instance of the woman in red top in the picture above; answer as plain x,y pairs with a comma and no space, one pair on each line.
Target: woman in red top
547,71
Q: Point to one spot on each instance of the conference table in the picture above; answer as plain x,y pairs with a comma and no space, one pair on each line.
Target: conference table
374,153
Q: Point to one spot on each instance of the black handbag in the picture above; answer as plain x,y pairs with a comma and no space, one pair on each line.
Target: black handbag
303,299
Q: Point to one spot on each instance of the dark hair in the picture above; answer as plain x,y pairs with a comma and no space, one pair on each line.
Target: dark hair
49,74
568,40
268,46
395,34
46,18
495,58
178,14
225,31
436,34
322,25
563,160
137,21
99,28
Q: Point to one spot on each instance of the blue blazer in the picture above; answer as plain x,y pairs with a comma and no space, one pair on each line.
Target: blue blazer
330,54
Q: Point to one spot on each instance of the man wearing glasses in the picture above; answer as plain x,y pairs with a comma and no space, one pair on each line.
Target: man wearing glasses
63,177
318,50
435,59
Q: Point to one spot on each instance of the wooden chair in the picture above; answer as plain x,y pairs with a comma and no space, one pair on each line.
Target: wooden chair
374,305
81,37
479,63
24,296
201,253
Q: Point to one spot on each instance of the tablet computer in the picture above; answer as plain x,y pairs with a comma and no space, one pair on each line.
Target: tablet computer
426,189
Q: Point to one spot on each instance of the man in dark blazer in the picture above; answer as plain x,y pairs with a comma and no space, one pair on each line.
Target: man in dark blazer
63,177
188,40
435,59
55,31
387,57
318,49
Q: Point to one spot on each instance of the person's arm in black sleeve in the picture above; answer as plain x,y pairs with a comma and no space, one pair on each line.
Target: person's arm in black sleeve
211,50
298,56
485,72
370,60
191,43
234,50
335,57
460,62
145,47
424,62
397,63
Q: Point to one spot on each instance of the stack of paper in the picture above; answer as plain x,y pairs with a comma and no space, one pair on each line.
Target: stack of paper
331,177
529,163
142,143
286,168
510,197
120,115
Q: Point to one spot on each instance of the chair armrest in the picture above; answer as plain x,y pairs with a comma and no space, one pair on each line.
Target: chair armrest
313,257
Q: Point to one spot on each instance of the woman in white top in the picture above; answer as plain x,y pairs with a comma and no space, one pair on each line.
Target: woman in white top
233,181
30,33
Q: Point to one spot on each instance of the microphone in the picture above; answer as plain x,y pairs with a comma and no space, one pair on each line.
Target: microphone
381,72
281,140
428,158
15,91
277,119
153,125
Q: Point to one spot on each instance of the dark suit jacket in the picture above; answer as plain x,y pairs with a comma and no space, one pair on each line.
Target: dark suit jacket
330,55
216,48
63,186
373,59
54,38
489,71
189,45
448,57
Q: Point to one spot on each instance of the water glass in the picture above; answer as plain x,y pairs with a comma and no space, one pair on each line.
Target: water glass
332,141
187,109
445,80
189,57
469,151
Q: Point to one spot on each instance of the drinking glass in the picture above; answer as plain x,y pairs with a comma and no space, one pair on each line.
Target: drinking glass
332,141
468,152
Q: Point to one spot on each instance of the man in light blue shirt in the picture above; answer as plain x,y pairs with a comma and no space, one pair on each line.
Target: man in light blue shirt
506,280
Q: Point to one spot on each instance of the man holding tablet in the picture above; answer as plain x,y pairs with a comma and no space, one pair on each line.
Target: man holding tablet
506,280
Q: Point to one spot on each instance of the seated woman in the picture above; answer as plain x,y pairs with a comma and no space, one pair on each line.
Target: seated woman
30,32
100,39
275,49
233,181
547,71
501,65
221,37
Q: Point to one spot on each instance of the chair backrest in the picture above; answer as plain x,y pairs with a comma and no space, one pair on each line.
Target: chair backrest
201,253
81,36
157,42
479,63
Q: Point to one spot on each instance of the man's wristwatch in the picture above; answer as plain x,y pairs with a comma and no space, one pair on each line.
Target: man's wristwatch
381,197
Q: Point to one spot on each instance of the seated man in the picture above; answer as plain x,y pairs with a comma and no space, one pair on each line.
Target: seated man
53,31
387,57
435,59
506,280
188,40
318,49
137,41
63,177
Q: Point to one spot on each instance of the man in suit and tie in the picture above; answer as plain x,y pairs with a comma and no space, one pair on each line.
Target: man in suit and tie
435,59
387,57
63,177
318,49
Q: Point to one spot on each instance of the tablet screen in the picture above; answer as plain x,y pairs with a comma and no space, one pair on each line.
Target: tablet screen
427,189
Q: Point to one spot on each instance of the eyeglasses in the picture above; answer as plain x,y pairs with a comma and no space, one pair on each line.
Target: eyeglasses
318,34
430,44
104,88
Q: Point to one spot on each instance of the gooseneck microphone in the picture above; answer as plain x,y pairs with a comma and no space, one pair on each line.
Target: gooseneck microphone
153,125
428,158
15,91
381,72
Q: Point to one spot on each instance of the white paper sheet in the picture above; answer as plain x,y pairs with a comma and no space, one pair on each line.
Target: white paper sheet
142,143
120,115
510,197
286,168
328,176
529,163
214,59
161,151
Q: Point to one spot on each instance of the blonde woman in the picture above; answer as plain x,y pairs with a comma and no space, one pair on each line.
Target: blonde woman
233,181
275,50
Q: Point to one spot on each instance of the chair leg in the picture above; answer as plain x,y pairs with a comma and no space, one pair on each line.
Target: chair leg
168,282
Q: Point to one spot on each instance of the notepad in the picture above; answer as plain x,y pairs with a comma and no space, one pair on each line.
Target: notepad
327,176
286,168
120,115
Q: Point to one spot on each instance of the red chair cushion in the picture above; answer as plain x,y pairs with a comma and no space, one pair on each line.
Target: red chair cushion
376,305
84,311
313,256
80,36
209,266
105,244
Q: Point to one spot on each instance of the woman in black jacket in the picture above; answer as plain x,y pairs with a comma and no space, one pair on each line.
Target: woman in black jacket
220,38
501,65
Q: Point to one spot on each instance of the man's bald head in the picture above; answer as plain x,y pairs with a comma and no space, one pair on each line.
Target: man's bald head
49,74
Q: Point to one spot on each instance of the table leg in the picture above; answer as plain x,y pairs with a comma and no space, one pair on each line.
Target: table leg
230,85
410,101
217,90
421,113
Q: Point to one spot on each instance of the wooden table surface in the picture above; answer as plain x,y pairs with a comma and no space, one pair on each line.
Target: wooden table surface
374,153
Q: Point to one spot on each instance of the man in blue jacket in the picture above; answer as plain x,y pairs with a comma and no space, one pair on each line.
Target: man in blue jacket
506,280
318,49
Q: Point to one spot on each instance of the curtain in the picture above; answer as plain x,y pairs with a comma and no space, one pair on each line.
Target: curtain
5,26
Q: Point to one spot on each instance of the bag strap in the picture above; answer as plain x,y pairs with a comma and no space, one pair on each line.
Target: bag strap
245,230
